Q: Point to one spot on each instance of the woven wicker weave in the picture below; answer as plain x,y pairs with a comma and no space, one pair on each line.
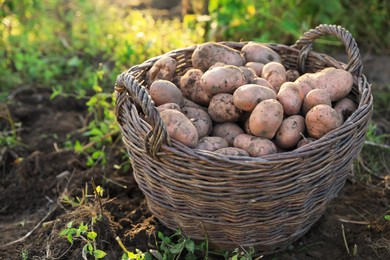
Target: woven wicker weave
265,202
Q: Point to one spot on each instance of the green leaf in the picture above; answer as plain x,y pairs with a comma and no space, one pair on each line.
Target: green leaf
78,148
69,225
387,217
92,235
97,88
64,232
99,253
90,247
99,190
190,246
70,238
148,256
190,256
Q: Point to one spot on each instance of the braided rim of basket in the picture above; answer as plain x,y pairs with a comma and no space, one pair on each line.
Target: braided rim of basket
129,84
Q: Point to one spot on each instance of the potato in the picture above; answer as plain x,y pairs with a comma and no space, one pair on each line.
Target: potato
191,88
337,82
207,54
305,141
305,82
291,97
263,82
222,80
266,118
257,52
255,146
345,107
228,131
163,68
322,119
249,73
232,151
315,97
246,127
248,96
292,75
189,103
200,119
162,107
179,127
275,74
164,91
257,67
222,108
211,143
217,64
290,131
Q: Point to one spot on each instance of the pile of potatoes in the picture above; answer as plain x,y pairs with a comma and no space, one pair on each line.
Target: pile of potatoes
245,103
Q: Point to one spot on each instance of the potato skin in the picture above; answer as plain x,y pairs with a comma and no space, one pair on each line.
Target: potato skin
227,130
180,127
275,74
200,119
337,82
255,146
305,141
192,89
263,82
164,91
345,107
315,97
189,103
257,52
222,108
322,119
248,96
305,82
212,143
266,118
224,79
292,75
257,67
291,97
207,54
290,131
232,151
162,107
163,68
249,73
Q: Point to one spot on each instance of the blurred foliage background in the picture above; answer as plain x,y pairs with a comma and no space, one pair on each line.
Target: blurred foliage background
62,43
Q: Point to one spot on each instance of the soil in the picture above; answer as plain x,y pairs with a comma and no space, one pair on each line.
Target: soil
40,181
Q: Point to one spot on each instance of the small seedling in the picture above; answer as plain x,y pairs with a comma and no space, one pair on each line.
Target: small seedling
88,237
24,254
172,247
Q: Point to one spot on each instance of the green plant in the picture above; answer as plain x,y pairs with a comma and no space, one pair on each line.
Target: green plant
24,254
172,247
9,134
88,237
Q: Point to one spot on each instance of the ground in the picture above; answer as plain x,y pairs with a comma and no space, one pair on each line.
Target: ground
40,180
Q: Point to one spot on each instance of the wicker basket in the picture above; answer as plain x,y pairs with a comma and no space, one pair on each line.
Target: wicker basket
265,202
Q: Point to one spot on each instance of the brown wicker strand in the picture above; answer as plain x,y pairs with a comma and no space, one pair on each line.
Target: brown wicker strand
355,65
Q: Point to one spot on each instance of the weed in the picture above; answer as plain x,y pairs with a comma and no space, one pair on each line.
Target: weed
87,236
9,134
24,254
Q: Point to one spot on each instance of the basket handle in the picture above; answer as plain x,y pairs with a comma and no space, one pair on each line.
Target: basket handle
127,85
304,44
